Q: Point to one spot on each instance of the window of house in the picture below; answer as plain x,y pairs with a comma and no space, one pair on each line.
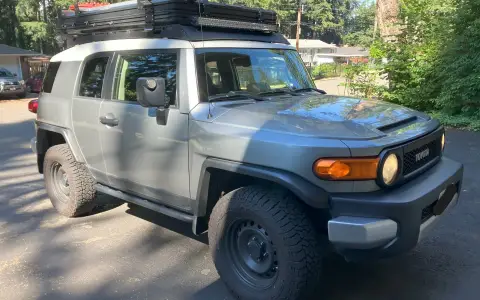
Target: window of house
92,78
130,67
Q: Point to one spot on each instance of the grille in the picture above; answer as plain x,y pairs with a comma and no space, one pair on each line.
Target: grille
427,212
410,162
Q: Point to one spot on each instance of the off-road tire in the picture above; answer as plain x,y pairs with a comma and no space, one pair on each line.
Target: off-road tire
297,243
81,198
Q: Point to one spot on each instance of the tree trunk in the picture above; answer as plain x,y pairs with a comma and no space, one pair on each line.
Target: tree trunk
44,11
387,17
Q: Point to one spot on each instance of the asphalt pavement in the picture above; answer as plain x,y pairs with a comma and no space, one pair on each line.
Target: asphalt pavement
120,253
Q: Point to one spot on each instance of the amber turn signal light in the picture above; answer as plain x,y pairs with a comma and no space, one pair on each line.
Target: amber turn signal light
346,168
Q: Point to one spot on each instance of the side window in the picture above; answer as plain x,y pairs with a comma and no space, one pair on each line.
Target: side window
50,76
92,77
130,67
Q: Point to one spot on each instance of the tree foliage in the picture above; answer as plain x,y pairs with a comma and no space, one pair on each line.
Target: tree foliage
453,82
31,23
359,27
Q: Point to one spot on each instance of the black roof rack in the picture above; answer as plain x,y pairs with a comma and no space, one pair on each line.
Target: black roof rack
192,20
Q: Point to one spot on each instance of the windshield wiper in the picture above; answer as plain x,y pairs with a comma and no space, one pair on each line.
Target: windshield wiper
275,92
309,90
232,95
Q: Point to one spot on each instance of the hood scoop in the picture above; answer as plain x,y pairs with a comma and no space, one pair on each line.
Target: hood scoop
394,126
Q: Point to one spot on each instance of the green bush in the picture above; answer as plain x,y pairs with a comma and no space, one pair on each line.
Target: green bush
364,80
454,81
325,71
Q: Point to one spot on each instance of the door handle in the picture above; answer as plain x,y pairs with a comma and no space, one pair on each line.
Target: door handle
109,119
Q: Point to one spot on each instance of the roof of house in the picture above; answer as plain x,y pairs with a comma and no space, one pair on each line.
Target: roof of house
6,50
347,52
352,51
309,44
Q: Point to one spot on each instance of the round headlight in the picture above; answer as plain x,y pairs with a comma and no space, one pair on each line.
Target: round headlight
390,169
443,141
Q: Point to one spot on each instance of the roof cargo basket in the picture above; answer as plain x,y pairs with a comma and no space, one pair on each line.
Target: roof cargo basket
163,18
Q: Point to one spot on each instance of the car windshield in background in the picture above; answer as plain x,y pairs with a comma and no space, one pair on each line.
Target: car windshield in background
5,73
229,71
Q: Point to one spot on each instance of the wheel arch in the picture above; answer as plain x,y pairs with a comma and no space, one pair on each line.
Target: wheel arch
51,135
221,176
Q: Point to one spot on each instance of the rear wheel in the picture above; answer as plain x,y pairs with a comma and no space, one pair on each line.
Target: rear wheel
263,245
69,184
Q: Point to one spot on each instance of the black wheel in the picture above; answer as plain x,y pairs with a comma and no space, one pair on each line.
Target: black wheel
263,244
69,185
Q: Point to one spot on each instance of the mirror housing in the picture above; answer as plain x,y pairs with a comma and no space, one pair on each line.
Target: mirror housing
151,92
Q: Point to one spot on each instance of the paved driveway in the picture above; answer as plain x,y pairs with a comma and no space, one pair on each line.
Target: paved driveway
117,254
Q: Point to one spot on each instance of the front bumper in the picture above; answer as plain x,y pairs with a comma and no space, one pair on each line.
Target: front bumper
390,222
16,92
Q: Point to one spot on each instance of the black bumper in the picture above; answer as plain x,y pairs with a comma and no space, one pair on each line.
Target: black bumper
404,205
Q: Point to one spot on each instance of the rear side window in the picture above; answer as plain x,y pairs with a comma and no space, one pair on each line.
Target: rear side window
50,76
92,77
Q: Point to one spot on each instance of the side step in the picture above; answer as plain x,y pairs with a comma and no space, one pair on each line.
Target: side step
145,203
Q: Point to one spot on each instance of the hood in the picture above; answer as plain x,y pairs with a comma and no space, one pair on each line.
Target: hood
325,116
10,79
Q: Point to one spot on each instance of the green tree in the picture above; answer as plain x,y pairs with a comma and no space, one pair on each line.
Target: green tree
453,82
360,25
8,22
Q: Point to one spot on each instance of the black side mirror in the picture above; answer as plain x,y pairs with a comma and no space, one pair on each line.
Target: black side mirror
151,92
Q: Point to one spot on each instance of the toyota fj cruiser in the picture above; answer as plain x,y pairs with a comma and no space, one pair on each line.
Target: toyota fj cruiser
217,122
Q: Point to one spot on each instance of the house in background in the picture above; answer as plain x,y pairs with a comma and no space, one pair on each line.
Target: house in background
346,55
312,51
16,60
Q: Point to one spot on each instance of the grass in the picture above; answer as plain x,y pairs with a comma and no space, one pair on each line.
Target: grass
457,121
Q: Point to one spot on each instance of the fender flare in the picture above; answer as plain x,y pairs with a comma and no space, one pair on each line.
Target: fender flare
68,136
307,192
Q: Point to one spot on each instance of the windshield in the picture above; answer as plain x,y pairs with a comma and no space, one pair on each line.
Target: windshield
5,73
230,71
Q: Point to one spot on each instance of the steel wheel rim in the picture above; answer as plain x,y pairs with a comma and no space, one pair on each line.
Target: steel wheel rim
60,182
252,254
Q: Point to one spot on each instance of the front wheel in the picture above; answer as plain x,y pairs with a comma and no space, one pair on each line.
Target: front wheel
263,244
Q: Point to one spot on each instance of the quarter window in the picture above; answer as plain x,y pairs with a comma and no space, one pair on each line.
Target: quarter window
50,77
130,67
92,78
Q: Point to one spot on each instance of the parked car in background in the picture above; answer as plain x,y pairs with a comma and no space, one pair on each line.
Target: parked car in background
10,85
34,83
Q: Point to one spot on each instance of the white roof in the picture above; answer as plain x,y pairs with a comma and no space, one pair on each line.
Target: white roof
309,44
79,52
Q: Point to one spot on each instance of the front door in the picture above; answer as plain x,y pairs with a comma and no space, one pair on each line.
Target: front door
142,157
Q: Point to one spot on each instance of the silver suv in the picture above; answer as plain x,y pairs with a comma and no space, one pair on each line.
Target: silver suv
232,136
10,85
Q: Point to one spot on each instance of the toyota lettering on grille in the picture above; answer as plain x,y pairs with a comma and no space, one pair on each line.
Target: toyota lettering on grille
422,155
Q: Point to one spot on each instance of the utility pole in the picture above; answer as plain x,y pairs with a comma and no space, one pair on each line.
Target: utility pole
299,20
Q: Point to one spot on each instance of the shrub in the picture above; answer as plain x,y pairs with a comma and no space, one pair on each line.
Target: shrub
325,71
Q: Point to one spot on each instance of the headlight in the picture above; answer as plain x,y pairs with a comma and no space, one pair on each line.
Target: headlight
390,169
443,141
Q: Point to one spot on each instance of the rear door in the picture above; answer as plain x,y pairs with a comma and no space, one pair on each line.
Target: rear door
88,96
143,157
